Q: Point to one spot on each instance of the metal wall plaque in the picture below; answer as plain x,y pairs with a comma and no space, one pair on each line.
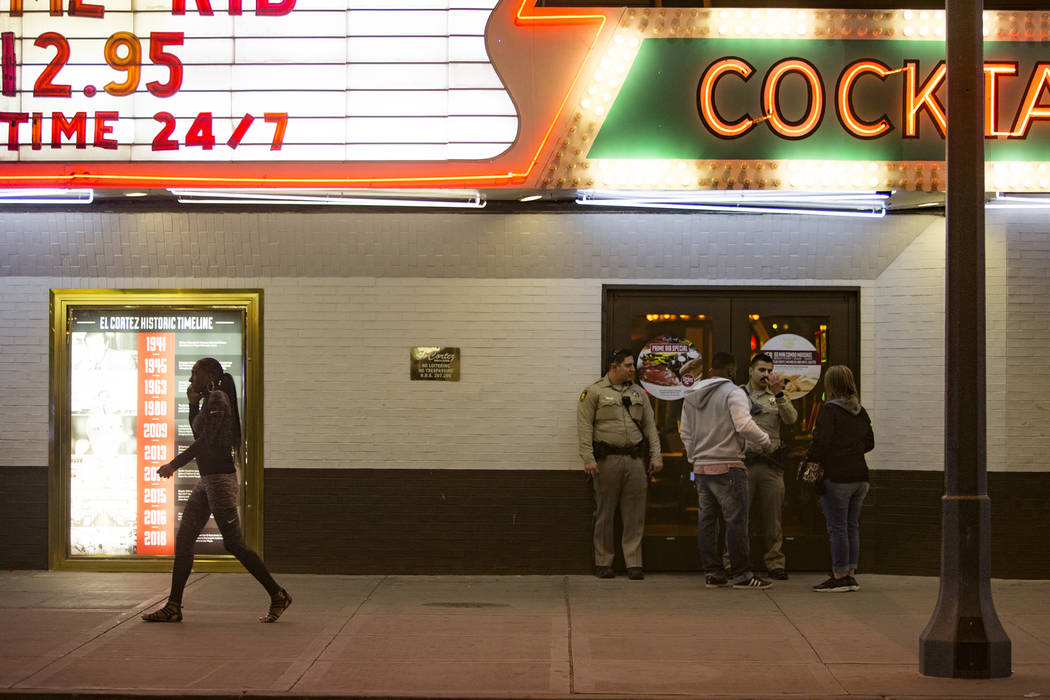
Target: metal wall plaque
435,364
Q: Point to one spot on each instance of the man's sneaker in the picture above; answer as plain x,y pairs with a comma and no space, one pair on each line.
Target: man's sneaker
778,574
834,585
754,582
604,572
853,585
635,573
715,581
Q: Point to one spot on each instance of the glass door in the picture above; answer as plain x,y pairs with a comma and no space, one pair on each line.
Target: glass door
673,333
804,333
673,337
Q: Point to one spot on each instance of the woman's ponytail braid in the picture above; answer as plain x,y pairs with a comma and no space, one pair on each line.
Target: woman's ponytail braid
229,387
224,382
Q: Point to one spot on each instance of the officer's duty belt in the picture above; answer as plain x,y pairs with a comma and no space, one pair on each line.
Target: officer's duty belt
604,449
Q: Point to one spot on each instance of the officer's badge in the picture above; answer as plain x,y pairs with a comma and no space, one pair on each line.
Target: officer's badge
583,396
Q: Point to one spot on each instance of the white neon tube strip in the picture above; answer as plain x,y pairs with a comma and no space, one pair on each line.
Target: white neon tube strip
1007,201
723,196
730,208
475,201
46,196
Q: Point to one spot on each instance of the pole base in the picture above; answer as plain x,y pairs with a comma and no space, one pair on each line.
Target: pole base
953,658
964,638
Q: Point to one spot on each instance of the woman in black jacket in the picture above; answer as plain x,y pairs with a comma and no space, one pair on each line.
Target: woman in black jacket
217,435
841,437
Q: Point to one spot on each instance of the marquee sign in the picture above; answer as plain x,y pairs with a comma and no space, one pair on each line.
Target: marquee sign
448,93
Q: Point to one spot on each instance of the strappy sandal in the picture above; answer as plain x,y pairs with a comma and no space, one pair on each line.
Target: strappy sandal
279,602
169,613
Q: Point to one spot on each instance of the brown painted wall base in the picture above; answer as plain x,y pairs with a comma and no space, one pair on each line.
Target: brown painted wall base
427,522
442,521
539,522
23,517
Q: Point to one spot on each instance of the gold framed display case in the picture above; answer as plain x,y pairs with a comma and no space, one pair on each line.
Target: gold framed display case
120,362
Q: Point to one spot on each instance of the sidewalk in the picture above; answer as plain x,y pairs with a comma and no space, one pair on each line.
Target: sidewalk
494,637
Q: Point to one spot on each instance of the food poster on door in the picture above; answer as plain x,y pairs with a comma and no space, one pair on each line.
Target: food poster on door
797,361
668,365
129,414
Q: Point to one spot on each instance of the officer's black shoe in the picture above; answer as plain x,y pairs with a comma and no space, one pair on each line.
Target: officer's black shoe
604,572
778,574
635,573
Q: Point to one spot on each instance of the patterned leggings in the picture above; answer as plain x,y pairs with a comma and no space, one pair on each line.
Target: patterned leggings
214,493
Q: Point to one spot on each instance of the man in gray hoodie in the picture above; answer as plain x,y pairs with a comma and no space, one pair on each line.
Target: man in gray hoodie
716,425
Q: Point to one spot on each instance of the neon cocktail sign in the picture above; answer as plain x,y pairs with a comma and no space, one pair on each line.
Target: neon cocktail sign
920,96
817,99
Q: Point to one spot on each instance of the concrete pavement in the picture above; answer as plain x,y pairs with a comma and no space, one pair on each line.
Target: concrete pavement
67,634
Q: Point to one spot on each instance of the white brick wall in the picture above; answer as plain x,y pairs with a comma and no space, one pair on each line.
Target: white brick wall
909,356
346,296
1025,369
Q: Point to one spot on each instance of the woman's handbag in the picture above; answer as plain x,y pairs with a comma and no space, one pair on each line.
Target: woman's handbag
810,472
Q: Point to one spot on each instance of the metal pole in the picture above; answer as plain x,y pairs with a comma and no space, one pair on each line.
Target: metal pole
964,638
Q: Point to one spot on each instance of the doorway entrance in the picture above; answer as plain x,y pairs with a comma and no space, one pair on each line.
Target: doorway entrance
674,332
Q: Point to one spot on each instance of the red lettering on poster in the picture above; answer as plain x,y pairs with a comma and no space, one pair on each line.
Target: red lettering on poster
156,443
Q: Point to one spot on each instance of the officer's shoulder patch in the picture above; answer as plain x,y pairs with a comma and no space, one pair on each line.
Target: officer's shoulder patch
583,396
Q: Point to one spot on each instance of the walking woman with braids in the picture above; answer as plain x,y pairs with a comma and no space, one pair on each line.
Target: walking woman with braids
217,434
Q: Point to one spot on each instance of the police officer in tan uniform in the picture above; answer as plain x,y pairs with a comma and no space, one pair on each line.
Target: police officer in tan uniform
617,435
770,408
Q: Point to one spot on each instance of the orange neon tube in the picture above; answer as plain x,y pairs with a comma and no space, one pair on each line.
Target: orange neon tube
924,99
992,71
844,94
1030,107
770,89
706,97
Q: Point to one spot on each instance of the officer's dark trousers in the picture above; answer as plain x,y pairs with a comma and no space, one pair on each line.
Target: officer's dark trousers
621,481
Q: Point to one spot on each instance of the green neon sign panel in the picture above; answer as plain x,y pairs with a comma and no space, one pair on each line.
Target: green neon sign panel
656,114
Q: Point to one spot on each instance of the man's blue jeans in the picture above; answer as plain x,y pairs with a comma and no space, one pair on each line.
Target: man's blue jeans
841,504
724,495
